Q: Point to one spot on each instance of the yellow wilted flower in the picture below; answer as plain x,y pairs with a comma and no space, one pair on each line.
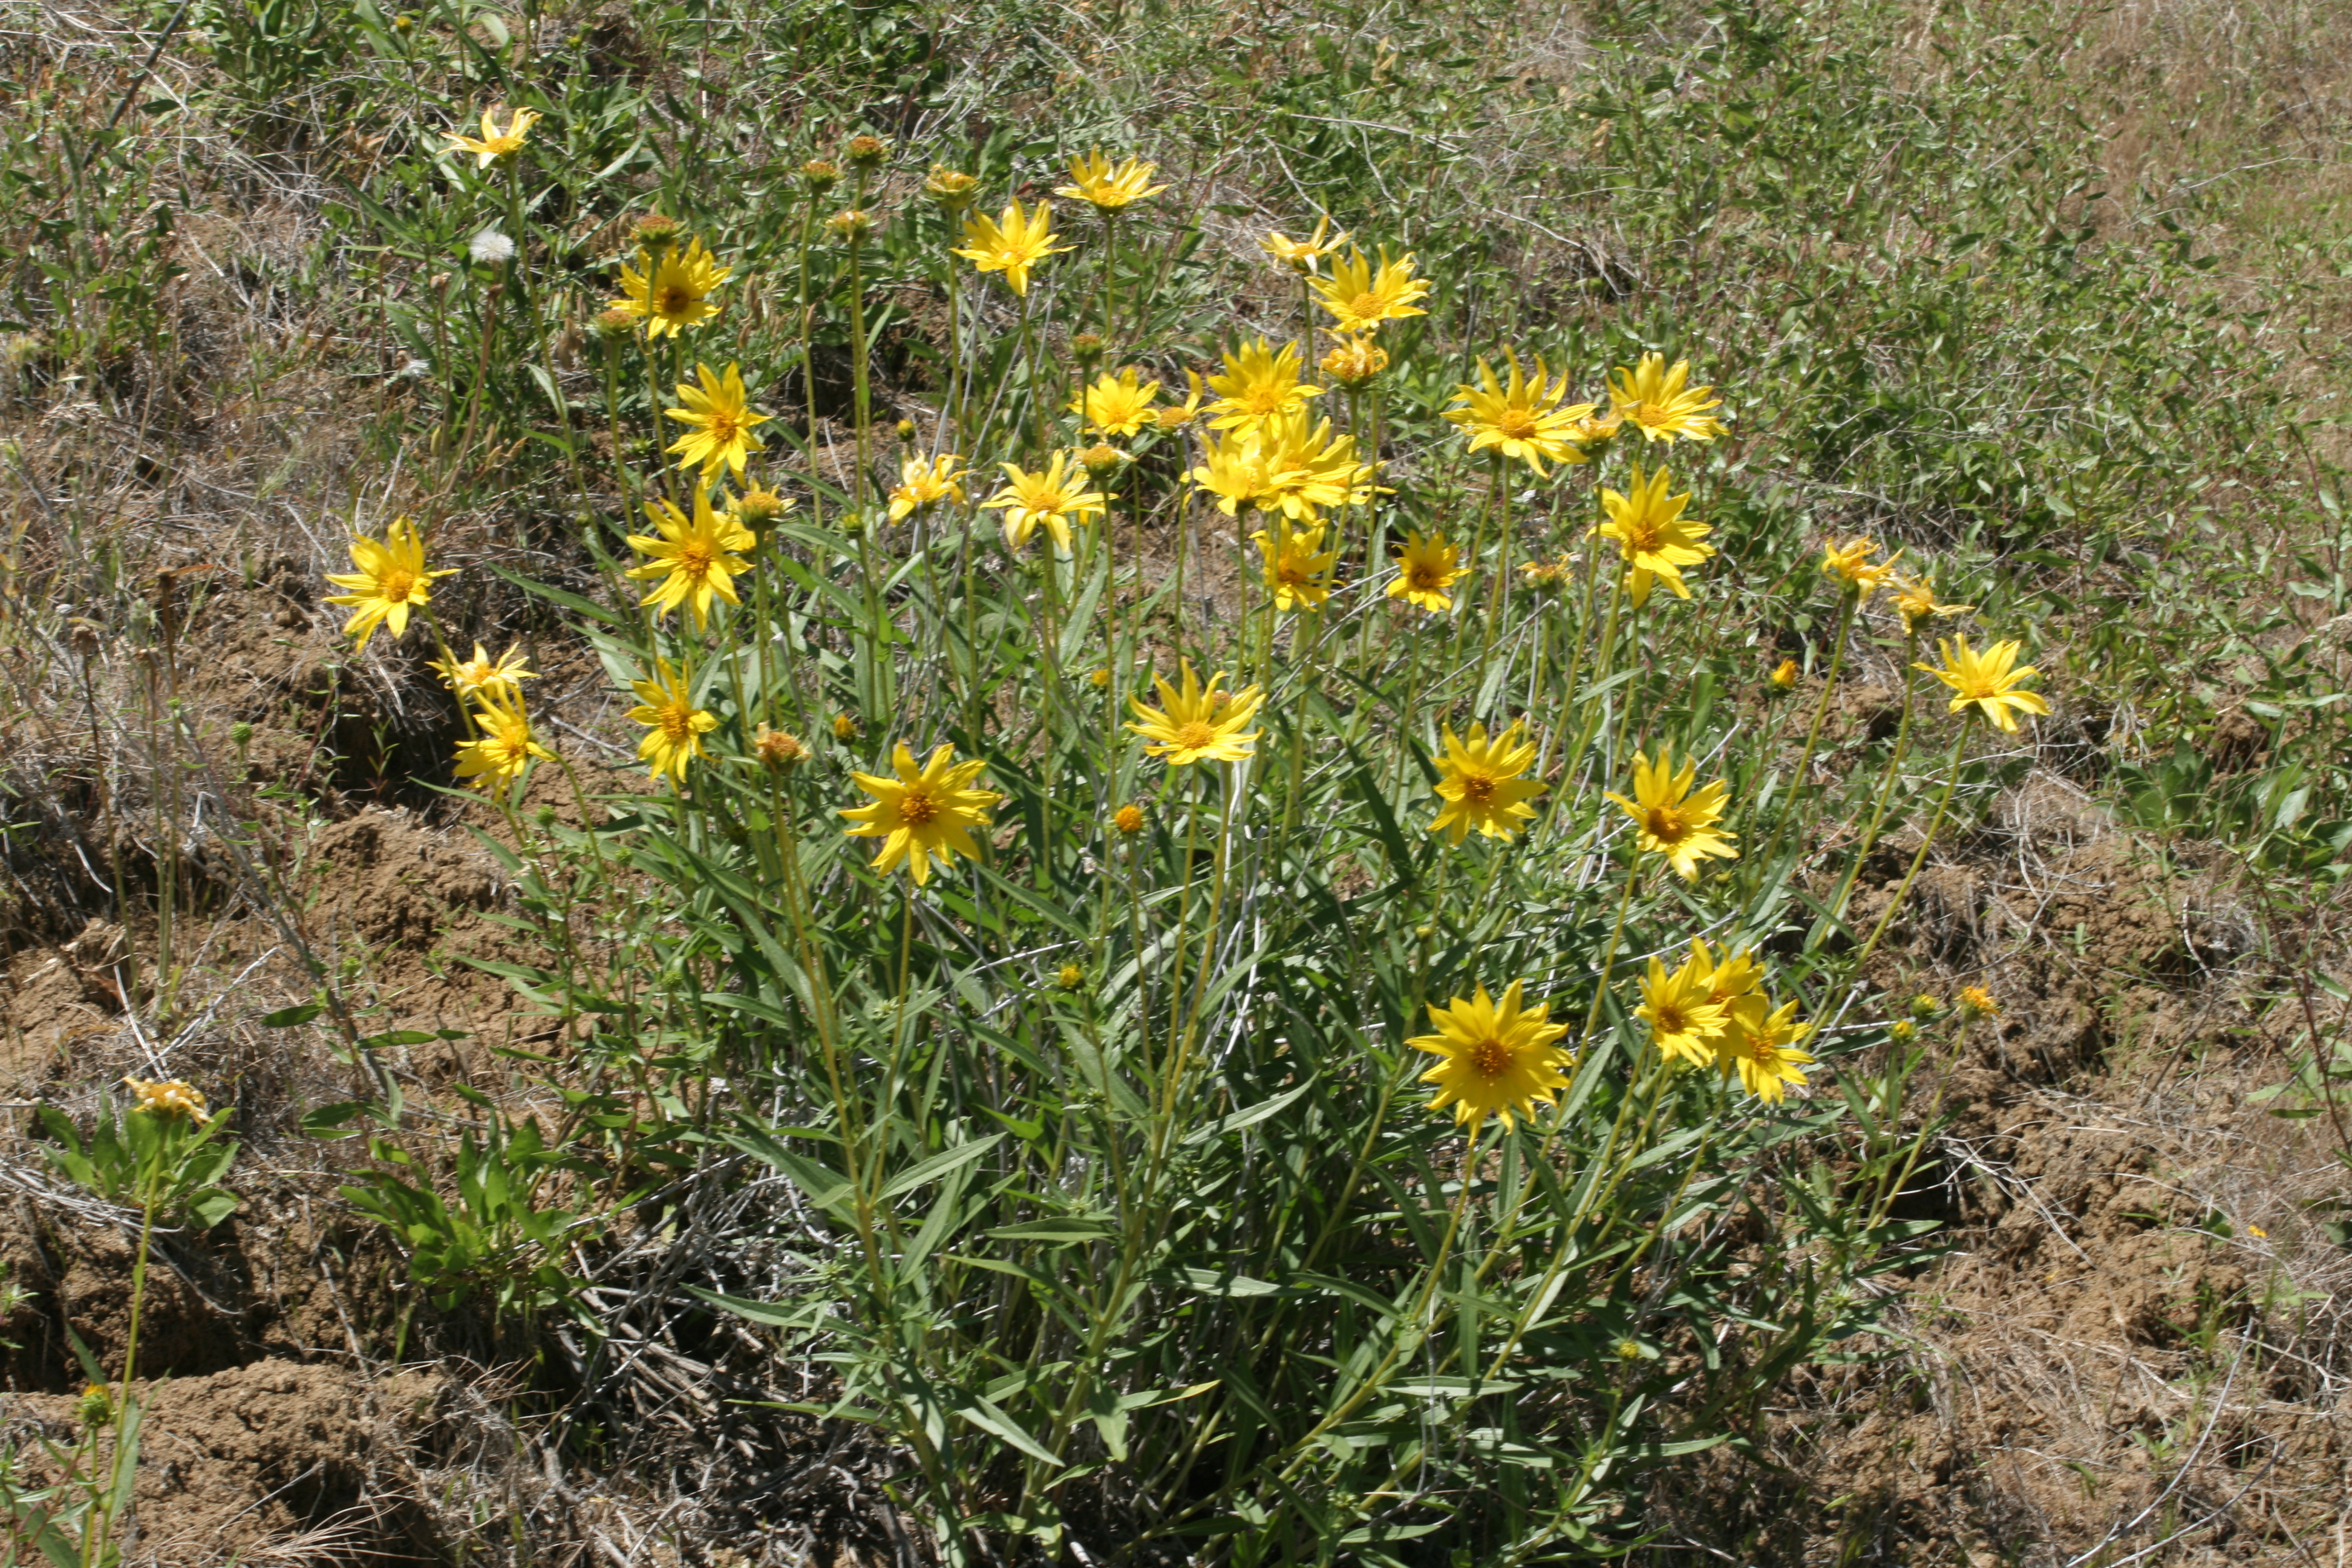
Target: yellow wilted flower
1258,384
503,744
1295,574
672,292
1522,420
1686,1020
172,1097
922,815
1915,597
1353,362
1760,1048
494,144
1426,568
1360,298
1094,180
1851,564
1052,498
1195,725
720,417
925,482
1655,400
1784,676
1483,785
1988,681
391,580
1670,820
1977,1002
695,559
778,749
1117,405
1010,243
1305,255
1734,976
674,725
1500,1058
1652,534
1178,416
493,680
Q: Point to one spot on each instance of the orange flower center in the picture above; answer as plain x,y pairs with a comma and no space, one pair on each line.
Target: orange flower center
915,808
1491,1058
398,584
1266,397
1665,824
1425,579
1477,788
722,426
1516,424
695,560
1668,1018
1197,736
677,724
674,300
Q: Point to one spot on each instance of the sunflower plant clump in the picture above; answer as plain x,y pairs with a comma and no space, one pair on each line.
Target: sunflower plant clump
1257,991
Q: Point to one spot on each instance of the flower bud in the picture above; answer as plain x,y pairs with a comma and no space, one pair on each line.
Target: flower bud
844,727
819,175
240,734
1924,1006
1071,977
1101,458
1353,362
1100,678
949,188
1784,676
778,750
1087,348
1903,1031
852,225
866,154
1128,818
907,431
615,323
655,229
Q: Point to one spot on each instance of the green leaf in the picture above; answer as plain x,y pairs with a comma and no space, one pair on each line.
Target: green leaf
287,1017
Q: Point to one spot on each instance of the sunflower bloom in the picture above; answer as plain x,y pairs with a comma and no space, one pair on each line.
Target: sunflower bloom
1360,297
1197,725
1734,975
494,144
672,292
922,813
1177,415
1051,498
1501,1058
1482,784
1655,400
1010,243
1426,568
1353,362
1259,384
721,417
1118,405
491,679
1111,190
1233,470
1305,255
1652,534
1307,468
1851,564
674,725
1686,1020
503,744
926,482
1915,597
391,580
1297,568
696,560
171,1098
1760,1048
1988,682
1672,821
1523,420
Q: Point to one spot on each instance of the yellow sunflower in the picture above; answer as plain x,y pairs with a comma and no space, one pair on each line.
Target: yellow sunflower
1197,725
1914,598
1010,243
1655,400
1988,681
502,745
391,580
1500,1058
926,482
674,725
1305,255
1672,821
1686,1020
1093,179
494,144
1652,534
1760,1046
1483,782
1851,564
1118,405
720,417
1259,383
1297,567
1306,467
697,560
1233,470
672,292
1426,568
492,679
1523,419
1360,297
1051,498
922,815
